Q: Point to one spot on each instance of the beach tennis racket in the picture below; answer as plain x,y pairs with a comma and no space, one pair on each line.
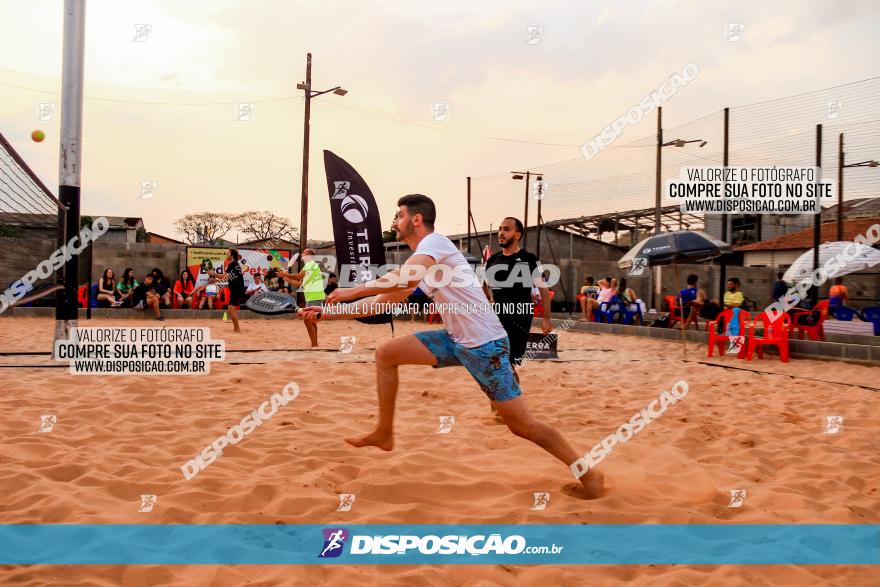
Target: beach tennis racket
275,302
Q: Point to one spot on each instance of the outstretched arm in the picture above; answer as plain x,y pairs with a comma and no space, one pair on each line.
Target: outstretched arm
405,278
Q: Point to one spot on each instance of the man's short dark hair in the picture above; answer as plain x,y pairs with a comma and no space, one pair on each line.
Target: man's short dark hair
779,275
590,280
692,279
519,225
235,255
838,280
734,280
420,204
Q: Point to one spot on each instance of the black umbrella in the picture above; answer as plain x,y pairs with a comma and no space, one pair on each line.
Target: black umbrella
681,246
671,248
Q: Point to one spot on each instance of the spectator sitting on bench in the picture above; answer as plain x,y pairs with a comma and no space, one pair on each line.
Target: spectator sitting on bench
106,295
589,303
839,294
209,294
692,300
145,296
125,287
163,288
257,287
183,289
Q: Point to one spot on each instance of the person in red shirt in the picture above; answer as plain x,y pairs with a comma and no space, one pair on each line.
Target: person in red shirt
183,289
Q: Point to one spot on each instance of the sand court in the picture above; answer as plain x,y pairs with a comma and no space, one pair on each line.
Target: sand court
754,426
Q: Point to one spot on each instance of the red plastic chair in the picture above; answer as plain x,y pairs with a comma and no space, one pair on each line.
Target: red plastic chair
674,311
221,301
775,334
723,340
82,296
815,331
539,308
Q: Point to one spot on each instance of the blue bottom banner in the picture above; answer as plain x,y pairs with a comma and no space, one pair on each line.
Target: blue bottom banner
371,544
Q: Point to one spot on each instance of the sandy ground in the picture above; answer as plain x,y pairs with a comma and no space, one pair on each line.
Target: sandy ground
119,437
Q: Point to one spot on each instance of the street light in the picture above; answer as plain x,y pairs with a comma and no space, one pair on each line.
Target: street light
304,203
527,175
660,144
675,143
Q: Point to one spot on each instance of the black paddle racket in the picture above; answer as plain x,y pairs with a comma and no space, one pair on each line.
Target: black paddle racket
275,302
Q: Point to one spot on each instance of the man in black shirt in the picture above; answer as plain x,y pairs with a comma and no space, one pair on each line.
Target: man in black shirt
514,299
145,296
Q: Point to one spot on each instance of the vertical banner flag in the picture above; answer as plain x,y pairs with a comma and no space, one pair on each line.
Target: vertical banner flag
357,229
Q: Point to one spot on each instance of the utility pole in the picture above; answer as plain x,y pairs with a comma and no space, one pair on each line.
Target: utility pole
657,173
69,166
469,215
723,277
526,215
840,188
304,199
817,219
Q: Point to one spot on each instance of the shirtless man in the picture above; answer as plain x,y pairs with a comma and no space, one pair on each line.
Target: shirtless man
475,340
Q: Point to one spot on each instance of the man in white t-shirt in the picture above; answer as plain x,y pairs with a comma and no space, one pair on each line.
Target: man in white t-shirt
472,336
257,287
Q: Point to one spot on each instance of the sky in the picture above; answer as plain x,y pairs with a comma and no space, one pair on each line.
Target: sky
161,104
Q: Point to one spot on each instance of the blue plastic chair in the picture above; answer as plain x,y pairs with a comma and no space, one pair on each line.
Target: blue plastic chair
629,315
842,313
93,296
609,312
872,314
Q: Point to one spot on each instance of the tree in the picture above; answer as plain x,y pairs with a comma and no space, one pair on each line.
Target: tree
205,228
264,225
389,236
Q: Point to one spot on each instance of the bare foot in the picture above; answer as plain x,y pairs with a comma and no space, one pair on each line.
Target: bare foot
377,439
591,486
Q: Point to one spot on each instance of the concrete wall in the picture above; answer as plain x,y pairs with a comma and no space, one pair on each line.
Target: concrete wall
771,225
141,257
770,258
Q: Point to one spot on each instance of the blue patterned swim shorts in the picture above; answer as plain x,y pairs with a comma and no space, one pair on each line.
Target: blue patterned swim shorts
489,364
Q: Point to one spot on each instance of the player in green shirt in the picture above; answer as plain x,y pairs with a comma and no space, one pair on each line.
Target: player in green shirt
312,280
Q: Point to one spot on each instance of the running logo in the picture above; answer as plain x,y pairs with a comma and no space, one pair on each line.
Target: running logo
737,497
832,424
346,343
147,503
341,189
638,266
334,541
346,500
541,501
446,424
736,344
47,422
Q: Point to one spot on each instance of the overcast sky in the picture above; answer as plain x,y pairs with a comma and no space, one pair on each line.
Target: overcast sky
161,107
